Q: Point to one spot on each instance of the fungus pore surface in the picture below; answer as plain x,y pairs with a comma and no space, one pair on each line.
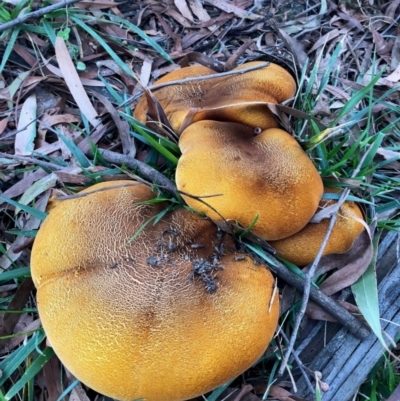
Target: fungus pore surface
127,316
302,247
240,176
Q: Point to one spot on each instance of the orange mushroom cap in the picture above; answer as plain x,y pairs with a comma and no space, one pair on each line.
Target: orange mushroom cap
125,316
302,247
268,175
235,98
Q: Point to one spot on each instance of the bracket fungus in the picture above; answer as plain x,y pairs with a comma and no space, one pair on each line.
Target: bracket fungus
302,247
133,318
239,98
268,175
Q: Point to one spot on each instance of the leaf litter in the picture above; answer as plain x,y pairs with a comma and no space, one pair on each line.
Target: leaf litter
78,109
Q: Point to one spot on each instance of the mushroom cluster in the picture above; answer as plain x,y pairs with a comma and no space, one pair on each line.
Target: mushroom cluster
169,311
237,165
131,308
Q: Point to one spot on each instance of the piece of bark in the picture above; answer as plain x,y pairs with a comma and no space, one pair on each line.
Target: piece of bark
346,361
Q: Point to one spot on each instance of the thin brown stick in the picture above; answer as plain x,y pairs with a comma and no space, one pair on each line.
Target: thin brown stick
337,311
299,363
343,316
36,14
145,170
311,272
32,160
194,79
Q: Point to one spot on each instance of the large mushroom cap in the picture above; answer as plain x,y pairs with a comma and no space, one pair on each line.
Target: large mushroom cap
236,98
125,317
302,247
268,175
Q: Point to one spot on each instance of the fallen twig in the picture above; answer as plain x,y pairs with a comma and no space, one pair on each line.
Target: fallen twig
354,325
338,312
32,160
194,79
36,14
145,170
299,362
310,274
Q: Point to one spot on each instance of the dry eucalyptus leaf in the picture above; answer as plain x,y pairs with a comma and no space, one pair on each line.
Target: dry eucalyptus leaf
183,8
230,8
395,75
78,394
283,395
351,264
3,124
317,313
199,11
24,140
74,83
391,10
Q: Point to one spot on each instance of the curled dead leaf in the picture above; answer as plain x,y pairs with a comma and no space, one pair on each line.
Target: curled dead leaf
351,265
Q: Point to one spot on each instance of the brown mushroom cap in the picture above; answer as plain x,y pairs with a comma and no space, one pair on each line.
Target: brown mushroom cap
223,98
268,175
124,317
302,247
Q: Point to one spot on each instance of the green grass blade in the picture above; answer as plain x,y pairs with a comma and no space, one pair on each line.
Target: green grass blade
152,142
218,391
34,212
49,31
331,64
111,90
78,154
25,233
68,390
258,251
365,291
19,8
357,97
143,35
37,189
377,140
102,43
30,373
20,272
10,46
14,360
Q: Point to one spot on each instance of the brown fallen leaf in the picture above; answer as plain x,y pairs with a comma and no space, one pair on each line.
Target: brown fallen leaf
351,265
78,394
52,375
24,184
317,313
9,320
3,124
15,341
324,39
396,51
395,75
383,47
391,10
128,143
183,8
199,11
230,8
283,395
